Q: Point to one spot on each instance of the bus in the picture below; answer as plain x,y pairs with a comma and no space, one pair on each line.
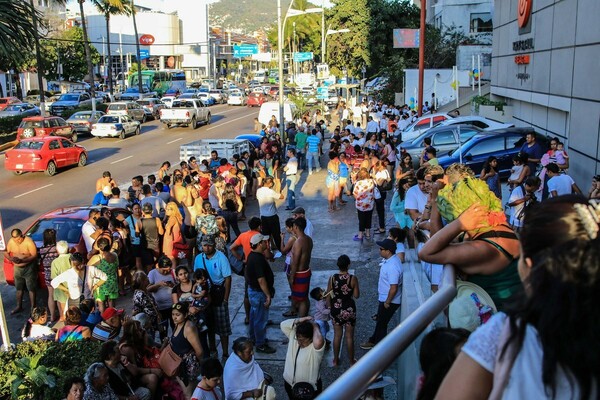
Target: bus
160,81
274,75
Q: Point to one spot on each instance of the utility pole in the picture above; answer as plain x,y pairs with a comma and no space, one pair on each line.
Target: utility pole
38,58
280,57
421,56
137,49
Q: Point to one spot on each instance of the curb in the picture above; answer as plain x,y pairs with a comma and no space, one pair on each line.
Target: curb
8,145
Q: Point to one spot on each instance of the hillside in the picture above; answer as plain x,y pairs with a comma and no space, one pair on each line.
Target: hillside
245,15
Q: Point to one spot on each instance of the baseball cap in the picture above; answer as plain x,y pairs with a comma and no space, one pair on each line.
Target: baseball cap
147,208
107,191
111,312
387,244
208,240
298,210
257,238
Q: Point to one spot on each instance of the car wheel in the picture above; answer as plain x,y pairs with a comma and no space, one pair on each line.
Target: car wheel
74,137
194,124
51,169
208,119
18,173
137,130
82,160
28,133
122,134
168,126
144,119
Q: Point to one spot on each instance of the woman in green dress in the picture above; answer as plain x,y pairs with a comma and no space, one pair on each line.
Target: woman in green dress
108,262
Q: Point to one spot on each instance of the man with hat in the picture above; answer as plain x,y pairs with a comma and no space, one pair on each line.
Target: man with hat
389,291
219,271
110,326
299,212
101,198
260,291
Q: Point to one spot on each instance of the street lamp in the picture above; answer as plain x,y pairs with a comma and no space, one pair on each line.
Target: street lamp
330,32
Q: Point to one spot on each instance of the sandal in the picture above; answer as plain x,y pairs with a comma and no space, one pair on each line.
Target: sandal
357,238
379,232
374,317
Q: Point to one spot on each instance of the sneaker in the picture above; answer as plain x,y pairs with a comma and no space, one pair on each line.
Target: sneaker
265,348
367,345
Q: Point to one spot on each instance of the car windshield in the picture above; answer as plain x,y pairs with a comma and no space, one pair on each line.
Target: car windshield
13,108
31,124
81,115
117,107
69,97
108,119
3,101
30,144
68,229
143,102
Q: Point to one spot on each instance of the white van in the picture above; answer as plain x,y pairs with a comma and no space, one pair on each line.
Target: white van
271,108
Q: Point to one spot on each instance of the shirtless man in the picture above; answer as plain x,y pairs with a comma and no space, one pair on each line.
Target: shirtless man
106,180
21,251
300,273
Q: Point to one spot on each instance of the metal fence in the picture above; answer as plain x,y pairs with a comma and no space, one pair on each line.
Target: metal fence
354,382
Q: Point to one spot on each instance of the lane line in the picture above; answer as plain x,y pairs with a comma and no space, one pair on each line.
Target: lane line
122,159
31,191
227,122
176,140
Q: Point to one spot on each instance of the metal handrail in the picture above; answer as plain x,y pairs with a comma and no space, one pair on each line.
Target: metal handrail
354,382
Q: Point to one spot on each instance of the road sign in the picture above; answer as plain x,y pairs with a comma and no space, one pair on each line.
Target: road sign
322,93
406,38
299,57
244,50
144,54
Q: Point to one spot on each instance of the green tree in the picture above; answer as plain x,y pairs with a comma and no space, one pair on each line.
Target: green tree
108,8
88,54
133,68
17,33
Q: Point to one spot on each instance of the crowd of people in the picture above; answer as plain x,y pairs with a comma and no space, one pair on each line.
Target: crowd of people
174,243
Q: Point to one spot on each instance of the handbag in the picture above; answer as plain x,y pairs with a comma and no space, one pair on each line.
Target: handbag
302,390
169,361
181,250
217,292
376,192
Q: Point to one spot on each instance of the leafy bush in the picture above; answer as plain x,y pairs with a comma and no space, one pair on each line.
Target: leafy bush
9,124
99,107
66,359
485,101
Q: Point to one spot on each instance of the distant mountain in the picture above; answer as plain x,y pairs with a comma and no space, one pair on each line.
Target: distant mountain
246,16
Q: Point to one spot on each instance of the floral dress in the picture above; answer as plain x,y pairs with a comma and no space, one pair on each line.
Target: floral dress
110,289
343,307
47,255
364,195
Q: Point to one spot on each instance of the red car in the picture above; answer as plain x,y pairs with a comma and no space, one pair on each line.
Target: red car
45,126
256,99
7,101
44,154
67,223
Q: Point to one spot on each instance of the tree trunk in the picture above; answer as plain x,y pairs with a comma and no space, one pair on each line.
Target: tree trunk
109,74
38,60
88,55
137,49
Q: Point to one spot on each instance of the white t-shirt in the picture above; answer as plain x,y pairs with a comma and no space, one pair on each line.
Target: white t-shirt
266,201
308,361
515,211
563,184
415,199
525,381
309,230
74,283
203,394
390,274
39,332
120,202
87,230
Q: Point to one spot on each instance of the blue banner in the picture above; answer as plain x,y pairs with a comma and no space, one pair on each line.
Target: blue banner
299,57
244,50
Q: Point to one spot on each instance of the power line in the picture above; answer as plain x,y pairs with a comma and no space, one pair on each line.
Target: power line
127,44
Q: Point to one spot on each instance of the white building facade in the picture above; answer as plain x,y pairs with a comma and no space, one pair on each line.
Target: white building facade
471,17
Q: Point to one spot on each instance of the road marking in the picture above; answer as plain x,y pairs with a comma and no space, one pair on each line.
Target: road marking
34,190
176,140
227,122
122,159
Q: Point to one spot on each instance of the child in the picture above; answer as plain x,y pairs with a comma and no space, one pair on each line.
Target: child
322,312
200,289
520,198
35,327
560,154
399,236
211,371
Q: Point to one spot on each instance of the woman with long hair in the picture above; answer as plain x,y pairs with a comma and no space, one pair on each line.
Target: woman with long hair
364,200
332,181
172,235
185,341
489,174
48,253
143,302
231,204
546,344
73,330
405,167
107,262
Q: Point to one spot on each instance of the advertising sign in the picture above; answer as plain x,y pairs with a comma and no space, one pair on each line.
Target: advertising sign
146,40
322,93
244,50
299,57
406,38
322,71
144,54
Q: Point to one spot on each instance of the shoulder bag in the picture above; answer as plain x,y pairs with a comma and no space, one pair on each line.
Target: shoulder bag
302,390
376,192
181,250
217,292
169,361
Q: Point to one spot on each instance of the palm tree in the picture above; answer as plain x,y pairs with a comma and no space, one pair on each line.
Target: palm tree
108,8
88,54
16,32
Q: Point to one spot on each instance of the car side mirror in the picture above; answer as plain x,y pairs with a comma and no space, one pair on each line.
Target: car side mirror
469,157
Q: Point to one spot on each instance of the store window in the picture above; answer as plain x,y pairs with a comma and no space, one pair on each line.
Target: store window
481,22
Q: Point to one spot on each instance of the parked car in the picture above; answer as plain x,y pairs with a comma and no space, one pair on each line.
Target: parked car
172,92
51,100
237,99
45,126
34,99
67,223
253,138
115,125
20,110
502,144
185,112
82,121
423,123
167,101
443,139
332,97
475,120
152,107
256,99
133,93
46,154
70,101
7,101
130,108
186,96
218,95
206,98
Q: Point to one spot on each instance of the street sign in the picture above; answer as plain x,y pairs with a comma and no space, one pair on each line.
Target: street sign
406,38
144,54
322,71
299,57
322,93
146,40
244,50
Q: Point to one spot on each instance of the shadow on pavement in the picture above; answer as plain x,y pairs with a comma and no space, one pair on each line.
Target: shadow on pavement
96,155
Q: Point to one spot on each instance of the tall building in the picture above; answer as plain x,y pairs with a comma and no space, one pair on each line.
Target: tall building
471,17
545,62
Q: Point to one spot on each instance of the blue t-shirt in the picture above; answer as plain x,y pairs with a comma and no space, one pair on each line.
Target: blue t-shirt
343,170
100,200
217,266
536,152
313,143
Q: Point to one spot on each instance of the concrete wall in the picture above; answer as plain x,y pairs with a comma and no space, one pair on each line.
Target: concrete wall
558,92
441,85
458,13
465,54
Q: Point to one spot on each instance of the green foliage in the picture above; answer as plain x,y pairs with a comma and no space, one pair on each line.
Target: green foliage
16,33
9,125
99,107
485,101
133,69
33,366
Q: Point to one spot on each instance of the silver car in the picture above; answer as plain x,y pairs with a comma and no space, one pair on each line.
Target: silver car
152,107
82,121
130,108
115,126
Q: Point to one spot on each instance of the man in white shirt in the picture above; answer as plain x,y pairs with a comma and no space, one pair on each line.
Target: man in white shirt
267,197
361,139
389,291
299,212
349,126
560,184
383,122
416,197
291,178
372,126
88,229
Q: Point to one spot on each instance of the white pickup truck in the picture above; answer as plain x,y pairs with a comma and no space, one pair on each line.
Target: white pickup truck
185,112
